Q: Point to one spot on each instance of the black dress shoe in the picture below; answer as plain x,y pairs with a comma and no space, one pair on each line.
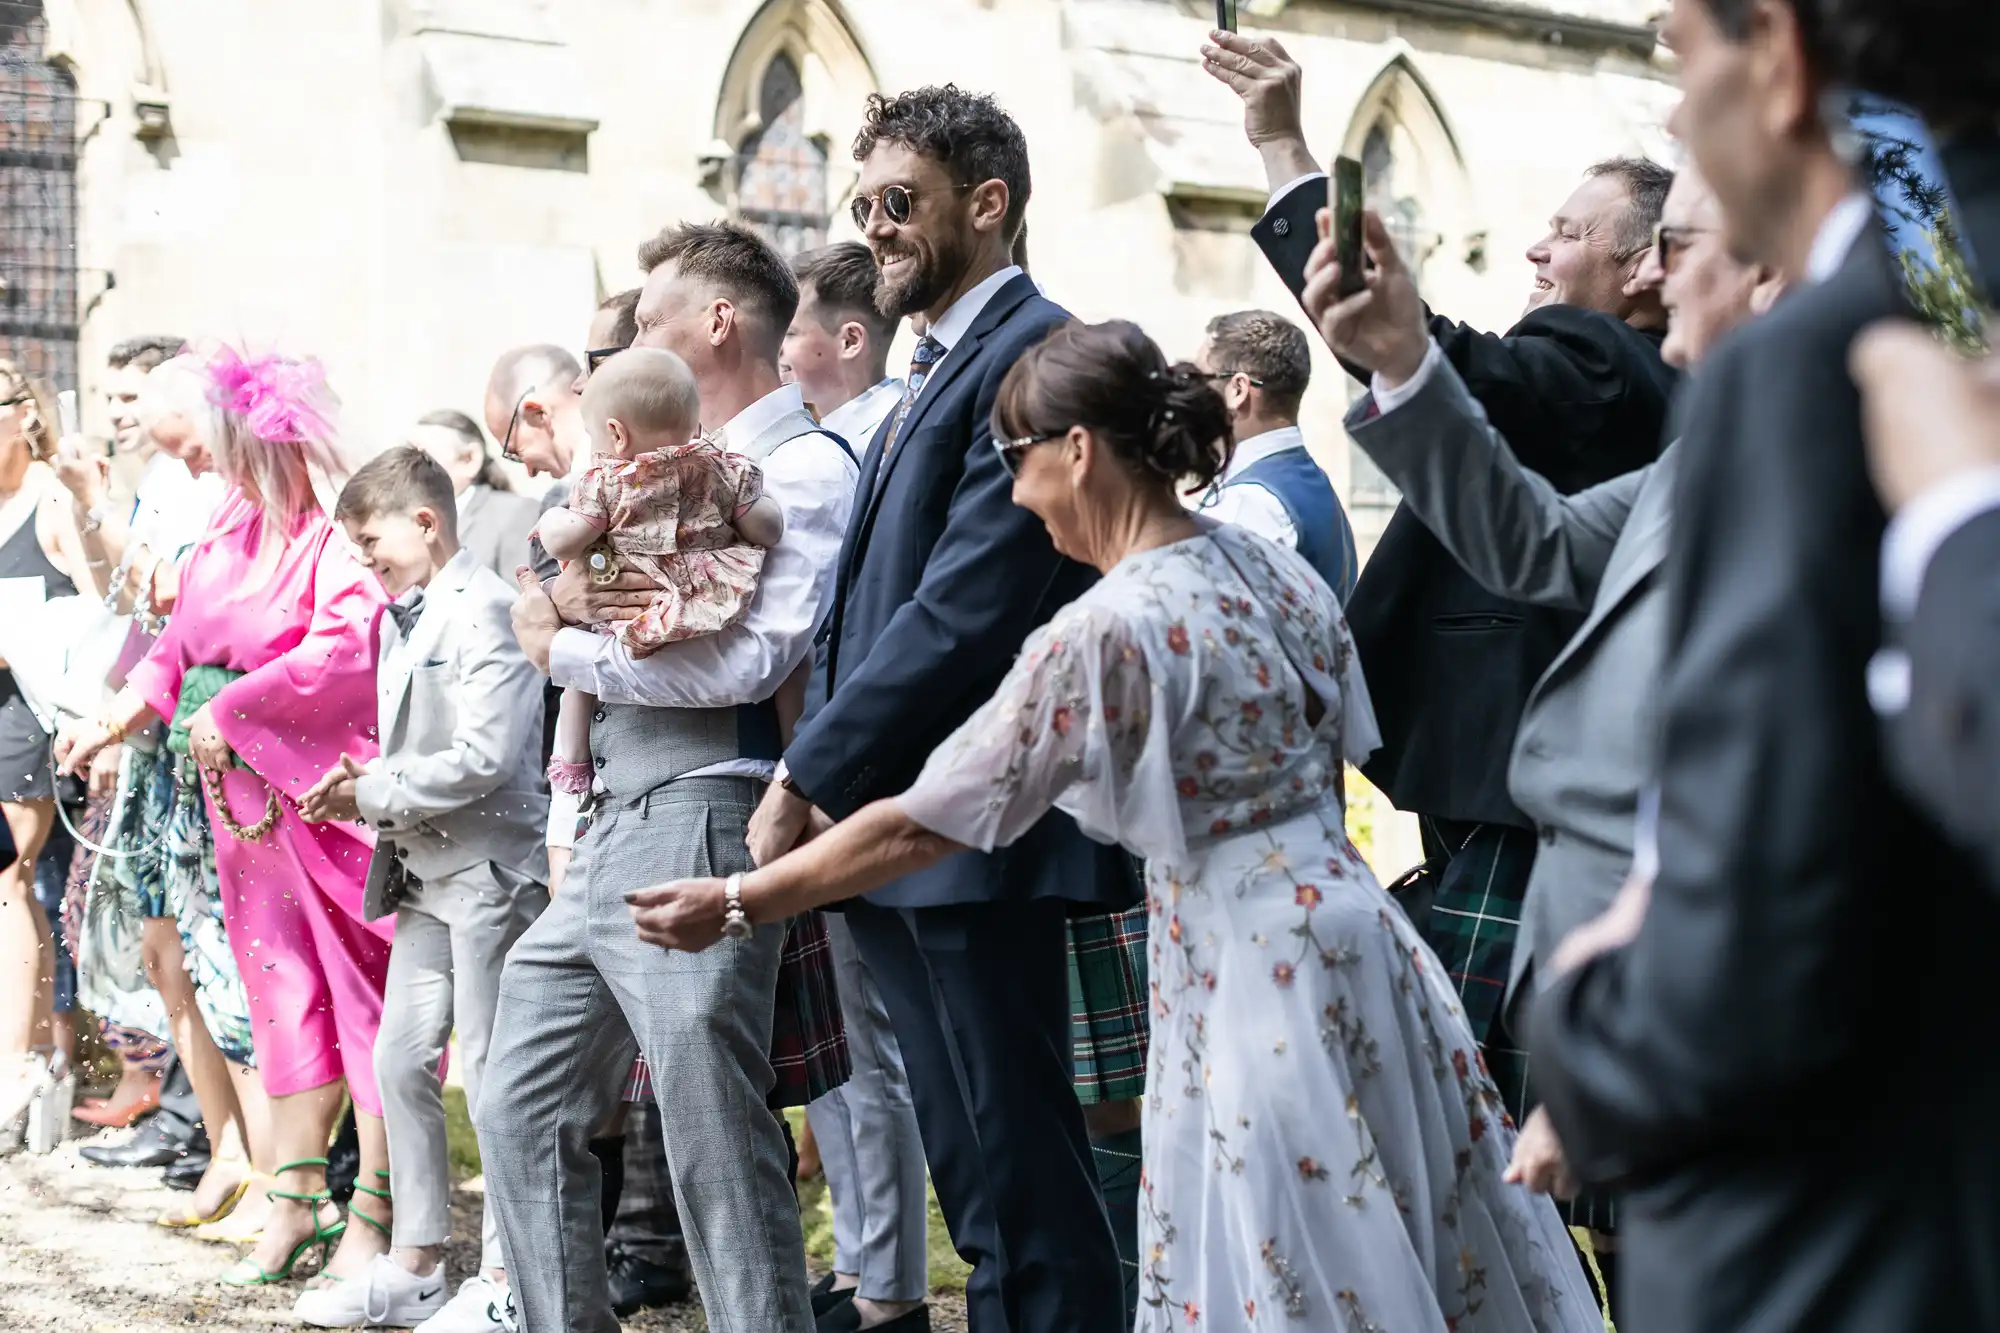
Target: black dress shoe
825,1298
186,1173
640,1284
148,1146
846,1319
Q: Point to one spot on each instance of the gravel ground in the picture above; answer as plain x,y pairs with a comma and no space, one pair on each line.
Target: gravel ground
79,1254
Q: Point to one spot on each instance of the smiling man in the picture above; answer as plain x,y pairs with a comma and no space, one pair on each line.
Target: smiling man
1578,390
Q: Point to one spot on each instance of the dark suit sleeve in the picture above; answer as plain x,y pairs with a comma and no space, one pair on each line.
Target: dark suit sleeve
1945,746
1289,230
1768,809
983,589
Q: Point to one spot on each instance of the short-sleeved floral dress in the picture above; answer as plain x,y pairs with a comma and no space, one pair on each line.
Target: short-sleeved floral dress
1323,1145
670,514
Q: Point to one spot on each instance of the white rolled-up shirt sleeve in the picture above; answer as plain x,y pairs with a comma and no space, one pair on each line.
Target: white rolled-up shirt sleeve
1257,510
813,480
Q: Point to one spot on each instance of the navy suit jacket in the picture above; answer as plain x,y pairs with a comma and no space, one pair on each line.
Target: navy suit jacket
942,577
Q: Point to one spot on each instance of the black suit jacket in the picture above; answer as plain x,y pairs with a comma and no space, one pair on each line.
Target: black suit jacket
1791,1068
1581,398
1945,746
941,578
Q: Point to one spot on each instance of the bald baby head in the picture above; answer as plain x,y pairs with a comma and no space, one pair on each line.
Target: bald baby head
640,400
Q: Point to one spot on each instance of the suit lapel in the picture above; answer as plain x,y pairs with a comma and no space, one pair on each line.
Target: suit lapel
424,639
1641,550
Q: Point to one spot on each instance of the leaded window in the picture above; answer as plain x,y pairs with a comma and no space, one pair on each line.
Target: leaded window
38,300
782,185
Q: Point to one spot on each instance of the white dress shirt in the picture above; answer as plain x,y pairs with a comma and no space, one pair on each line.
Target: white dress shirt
813,482
857,419
1249,505
955,323
170,512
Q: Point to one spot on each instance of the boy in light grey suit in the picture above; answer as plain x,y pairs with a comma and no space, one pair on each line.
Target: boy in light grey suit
457,804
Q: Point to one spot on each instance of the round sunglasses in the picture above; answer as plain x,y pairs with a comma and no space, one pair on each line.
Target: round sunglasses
899,205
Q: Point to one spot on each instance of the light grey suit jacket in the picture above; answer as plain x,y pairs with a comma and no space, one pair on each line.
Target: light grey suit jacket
1588,738
494,526
460,712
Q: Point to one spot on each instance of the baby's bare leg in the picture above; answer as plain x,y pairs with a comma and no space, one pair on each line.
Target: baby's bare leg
565,535
572,748
763,523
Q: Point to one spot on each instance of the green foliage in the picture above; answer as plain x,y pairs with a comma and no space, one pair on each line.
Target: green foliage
1944,291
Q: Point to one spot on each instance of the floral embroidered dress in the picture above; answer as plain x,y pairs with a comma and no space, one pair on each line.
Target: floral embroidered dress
670,515
1323,1146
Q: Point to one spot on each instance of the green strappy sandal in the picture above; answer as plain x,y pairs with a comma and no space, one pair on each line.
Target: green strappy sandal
245,1272
354,1210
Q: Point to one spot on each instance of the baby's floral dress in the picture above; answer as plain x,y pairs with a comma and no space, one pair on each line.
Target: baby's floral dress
1323,1145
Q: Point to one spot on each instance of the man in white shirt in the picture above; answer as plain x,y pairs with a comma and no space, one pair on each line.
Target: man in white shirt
1261,363
681,742
837,349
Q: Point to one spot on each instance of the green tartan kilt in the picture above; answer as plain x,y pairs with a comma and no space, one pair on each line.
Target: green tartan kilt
1109,1025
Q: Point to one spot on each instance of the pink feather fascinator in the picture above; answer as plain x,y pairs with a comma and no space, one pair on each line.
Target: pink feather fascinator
281,399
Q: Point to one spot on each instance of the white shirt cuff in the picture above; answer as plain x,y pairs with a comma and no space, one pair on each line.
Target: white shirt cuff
1925,524
1388,399
573,658
1279,197
564,810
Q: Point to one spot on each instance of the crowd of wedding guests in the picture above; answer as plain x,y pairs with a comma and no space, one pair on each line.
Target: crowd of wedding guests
958,755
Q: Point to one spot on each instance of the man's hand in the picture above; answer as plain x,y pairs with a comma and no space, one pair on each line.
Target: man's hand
1930,413
1380,327
205,741
332,799
536,621
1616,928
584,602
1258,70
86,476
1538,1159
776,827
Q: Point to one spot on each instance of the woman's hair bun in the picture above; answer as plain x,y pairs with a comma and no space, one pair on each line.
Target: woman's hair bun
1162,421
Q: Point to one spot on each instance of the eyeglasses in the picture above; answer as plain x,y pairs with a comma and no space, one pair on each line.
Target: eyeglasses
596,357
899,203
507,443
1010,451
22,397
1214,375
1666,238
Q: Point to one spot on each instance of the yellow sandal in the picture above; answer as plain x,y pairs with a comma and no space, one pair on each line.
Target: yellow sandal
187,1220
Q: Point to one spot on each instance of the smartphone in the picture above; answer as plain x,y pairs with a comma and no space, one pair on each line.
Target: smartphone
1348,187
1225,15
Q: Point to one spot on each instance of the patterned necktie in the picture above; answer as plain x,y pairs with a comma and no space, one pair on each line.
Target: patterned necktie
405,615
929,352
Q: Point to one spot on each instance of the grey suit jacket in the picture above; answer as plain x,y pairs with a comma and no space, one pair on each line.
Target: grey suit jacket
494,526
1588,738
460,717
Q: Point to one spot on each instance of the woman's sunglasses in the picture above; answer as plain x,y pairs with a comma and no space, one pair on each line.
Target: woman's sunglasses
899,205
1010,451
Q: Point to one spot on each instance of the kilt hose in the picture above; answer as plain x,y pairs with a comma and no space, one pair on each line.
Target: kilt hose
1465,900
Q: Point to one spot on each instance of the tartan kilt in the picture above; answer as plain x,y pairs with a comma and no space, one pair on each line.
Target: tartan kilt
808,1039
1109,1025
1465,900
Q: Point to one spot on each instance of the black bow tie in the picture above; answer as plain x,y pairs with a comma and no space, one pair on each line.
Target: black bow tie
405,615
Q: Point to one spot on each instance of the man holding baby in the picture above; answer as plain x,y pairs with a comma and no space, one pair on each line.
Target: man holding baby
686,728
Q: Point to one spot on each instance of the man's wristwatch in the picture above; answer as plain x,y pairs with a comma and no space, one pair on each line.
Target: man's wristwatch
94,519
783,778
735,921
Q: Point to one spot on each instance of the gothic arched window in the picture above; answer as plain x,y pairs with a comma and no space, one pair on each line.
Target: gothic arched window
1401,213
38,305
781,189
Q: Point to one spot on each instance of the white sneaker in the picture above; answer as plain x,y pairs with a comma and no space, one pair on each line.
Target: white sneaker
386,1296
480,1307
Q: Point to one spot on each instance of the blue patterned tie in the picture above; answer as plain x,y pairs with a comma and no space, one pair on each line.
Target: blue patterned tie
929,352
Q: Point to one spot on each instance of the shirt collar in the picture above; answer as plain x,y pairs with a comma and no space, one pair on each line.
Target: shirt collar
1837,235
955,323
755,419
870,405
1257,448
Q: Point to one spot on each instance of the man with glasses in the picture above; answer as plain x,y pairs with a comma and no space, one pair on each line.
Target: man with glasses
1585,747
531,408
1261,363
941,579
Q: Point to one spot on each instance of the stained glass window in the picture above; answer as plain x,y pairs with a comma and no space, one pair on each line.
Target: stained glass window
38,302
781,188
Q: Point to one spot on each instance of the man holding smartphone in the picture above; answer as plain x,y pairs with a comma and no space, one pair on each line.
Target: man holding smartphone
1579,390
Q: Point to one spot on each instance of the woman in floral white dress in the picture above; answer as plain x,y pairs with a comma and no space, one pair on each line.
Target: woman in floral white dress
1323,1147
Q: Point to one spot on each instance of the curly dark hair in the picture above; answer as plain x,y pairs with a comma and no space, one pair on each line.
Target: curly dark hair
969,133
1941,57
1163,422
146,351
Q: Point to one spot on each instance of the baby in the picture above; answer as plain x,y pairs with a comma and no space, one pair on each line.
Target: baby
660,500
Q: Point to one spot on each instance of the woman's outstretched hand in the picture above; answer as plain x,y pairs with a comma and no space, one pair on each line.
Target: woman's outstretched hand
684,914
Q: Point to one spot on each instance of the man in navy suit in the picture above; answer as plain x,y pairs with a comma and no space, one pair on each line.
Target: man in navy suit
941,579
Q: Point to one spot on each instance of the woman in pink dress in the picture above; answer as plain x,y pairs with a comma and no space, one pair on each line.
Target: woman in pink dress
274,593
